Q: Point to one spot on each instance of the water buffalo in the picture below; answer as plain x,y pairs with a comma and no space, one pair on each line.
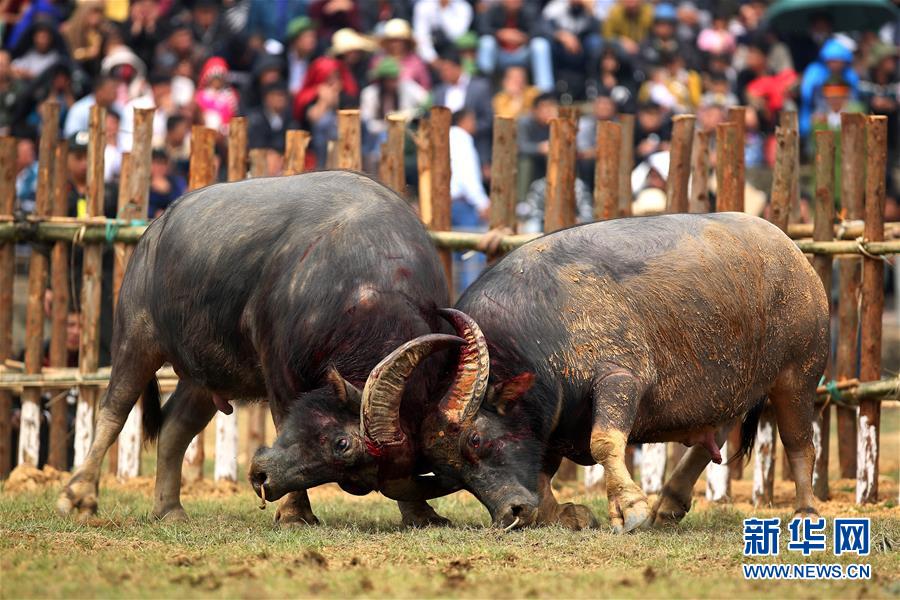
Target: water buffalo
652,329
290,289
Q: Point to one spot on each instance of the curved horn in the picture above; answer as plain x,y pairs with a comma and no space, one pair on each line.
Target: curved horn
467,390
383,392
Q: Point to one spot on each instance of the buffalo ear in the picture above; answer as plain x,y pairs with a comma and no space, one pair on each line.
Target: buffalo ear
346,392
504,394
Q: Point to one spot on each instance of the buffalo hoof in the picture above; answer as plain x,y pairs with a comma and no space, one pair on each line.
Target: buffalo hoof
668,511
287,518
634,516
576,517
174,514
806,512
419,521
79,498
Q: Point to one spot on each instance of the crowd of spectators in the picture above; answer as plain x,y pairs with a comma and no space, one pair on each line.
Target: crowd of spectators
294,63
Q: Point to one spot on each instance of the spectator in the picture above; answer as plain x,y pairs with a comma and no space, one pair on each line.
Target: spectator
208,30
11,91
616,79
302,42
834,62
437,24
531,211
628,23
397,42
603,108
178,46
385,95
515,97
458,90
805,46
376,14
165,186
652,132
662,41
268,19
880,90
40,46
510,37
78,116
160,98
84,35
26,173
317,103
533,140
143,31
268,124
717,39
216,99
467,47
719,89
576,43
673,86
177,144
333,15
267,69
470,202
122,64
352,50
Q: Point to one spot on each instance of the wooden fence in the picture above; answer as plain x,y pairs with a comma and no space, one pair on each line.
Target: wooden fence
859,246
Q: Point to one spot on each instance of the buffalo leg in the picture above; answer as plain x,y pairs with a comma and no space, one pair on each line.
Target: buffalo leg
550,512
420,514
616,397
675,498
187,413
134,364
793,397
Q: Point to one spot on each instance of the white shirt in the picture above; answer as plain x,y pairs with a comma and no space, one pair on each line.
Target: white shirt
465,170
126,127
79,116
455,98
429,15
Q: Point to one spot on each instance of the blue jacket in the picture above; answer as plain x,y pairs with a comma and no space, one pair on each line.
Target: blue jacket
817,74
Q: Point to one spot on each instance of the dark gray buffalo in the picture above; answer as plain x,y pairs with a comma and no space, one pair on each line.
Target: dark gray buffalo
654,329
290,289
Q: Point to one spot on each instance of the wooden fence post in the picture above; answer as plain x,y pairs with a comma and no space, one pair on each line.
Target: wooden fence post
133,205
202,173
349,140
30,420
7,276
789,120
225,465
296,143
700,173
626,164
559,205
764,466
729,197
823,231
256,426
91,289
872,309
58,454
738,116
503,174
606,170
440,181
423,166
853,165
680,163
391,169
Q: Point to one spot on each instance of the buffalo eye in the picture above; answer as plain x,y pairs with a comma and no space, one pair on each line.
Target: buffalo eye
475,440
341,445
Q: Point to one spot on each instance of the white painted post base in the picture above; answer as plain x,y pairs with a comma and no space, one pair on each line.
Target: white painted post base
763,463
84,426
593,475
130,446
192,468
226,465
866,459
653,467
817,448
717,479
29,433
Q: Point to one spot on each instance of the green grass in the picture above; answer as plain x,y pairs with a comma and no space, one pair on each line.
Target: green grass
230,549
